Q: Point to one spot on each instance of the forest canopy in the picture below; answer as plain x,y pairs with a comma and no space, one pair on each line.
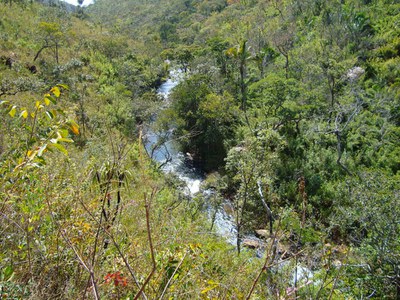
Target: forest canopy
287,111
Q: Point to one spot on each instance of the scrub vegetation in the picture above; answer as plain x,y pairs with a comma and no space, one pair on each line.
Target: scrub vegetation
290,108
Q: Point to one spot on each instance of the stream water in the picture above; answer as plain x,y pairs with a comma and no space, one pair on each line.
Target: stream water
178,163
174,161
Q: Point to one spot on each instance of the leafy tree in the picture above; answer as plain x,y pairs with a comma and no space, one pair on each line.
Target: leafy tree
205,120
333,67
181,54
53,36
274,102
251,167
263,58
218,47
367,211
241,55
168,33
283,40
45,129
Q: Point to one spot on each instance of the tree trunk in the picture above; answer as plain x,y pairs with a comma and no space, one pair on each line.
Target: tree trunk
287,65
56,53
242,84
40,51
340,152
1,142
238,238
266,206
243,89
331,83
238,227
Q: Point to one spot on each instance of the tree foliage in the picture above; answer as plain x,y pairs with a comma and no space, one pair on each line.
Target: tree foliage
290,108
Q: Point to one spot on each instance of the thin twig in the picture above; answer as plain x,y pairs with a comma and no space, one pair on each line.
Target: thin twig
336,278
268,262
128,266
172,276
147,207
82,262
80,259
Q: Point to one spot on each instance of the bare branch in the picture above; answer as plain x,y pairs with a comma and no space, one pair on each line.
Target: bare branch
147,207
172,276
266,206
269,259
82,262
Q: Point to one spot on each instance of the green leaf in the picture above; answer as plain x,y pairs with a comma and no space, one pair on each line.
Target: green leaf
63,132
24,114
64,86
60,111
8,272
12,111
207,289
60,147
56,91
48,97
212,285
65,140
49,114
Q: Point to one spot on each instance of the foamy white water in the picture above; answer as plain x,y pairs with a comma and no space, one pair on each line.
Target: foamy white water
75,2
175,162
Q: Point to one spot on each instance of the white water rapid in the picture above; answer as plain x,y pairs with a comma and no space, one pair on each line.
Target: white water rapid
176,162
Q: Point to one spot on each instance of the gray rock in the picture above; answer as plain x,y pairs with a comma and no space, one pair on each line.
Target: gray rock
252,244
262,233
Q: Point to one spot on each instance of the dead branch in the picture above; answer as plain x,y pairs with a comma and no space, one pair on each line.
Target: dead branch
269,262
147,207
172,276
266,206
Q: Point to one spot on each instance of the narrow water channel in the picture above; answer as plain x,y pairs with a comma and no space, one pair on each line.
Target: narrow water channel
174,161
178,163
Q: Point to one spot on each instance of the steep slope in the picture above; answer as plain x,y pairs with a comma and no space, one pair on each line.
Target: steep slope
291,107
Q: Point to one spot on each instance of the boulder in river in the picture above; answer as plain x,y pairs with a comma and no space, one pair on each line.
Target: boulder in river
252,244
262,233
228,208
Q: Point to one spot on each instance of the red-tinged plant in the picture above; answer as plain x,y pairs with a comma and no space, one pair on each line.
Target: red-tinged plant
116,278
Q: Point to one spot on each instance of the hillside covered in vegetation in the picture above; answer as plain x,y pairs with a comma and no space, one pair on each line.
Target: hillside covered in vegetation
289,110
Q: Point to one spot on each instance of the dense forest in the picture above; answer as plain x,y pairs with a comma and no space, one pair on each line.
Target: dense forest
289,110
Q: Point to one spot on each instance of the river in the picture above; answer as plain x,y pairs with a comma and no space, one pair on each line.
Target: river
174,161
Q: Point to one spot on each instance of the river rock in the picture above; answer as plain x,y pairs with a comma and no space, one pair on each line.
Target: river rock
262,233
228,208
252,244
